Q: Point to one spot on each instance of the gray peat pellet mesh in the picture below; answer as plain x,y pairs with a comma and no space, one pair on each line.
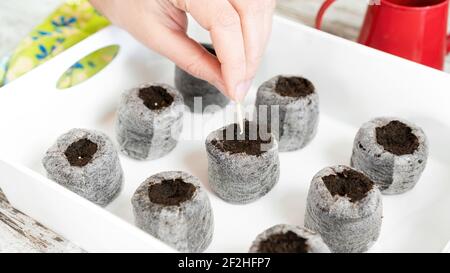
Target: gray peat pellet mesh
194,89
188,227
298,118
146,134
394,174
313,241
99,181
345,226
239,178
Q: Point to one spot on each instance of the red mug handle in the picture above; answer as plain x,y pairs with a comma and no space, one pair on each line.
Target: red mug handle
324,8
448,44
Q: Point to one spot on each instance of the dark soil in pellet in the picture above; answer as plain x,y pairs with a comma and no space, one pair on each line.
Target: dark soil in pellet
397,138
155,97
288,242
295,87
81,152
250,142
349,183
171,192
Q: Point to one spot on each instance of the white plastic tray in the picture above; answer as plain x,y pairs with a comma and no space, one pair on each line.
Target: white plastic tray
355,84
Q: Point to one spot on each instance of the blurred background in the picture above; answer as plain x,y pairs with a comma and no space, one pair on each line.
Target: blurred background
18,17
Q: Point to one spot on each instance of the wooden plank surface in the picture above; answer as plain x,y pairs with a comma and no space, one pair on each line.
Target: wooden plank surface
20,233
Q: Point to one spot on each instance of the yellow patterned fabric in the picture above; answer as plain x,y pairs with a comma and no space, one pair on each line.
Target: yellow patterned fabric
69,24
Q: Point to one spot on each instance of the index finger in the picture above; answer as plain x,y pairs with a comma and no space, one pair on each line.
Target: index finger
256,21
224,25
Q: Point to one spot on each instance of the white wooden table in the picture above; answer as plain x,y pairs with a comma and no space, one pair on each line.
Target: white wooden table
19,233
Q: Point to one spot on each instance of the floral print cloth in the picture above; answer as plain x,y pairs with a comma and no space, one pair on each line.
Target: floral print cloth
87,67
69,24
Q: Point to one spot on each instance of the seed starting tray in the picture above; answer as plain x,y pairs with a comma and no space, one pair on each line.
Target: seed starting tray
355,84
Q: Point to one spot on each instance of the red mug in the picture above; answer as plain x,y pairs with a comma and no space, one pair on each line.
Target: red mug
412,29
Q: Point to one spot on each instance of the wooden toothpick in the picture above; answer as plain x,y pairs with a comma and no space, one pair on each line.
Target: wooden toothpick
240,117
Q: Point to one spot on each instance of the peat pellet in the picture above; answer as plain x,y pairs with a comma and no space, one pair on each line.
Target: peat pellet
242,167
345,207
173,207
288,239
194,89
150,120
392,152
296,123
85,162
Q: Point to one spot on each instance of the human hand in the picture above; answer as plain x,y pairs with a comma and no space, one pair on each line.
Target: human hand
239,30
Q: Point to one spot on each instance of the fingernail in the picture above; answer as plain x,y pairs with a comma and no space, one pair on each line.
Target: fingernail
242,90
